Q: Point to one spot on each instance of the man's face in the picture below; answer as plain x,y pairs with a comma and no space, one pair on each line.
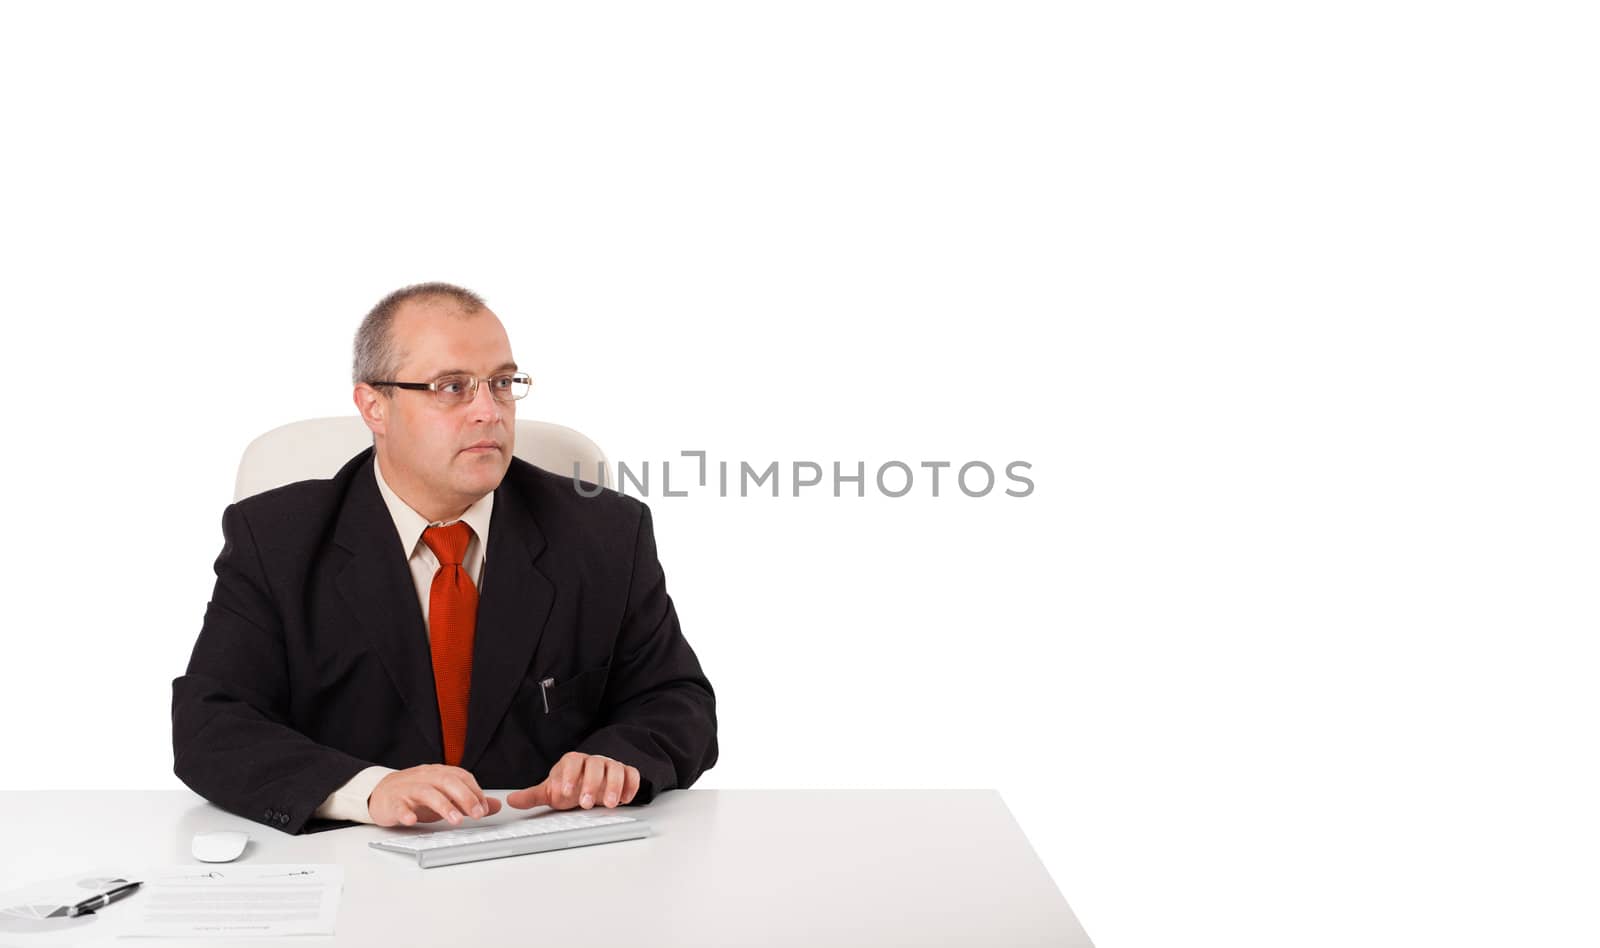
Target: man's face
440,458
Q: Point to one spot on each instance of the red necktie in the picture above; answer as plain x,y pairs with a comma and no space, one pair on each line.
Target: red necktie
452,616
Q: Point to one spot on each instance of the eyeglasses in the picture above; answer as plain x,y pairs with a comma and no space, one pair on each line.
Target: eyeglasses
461,389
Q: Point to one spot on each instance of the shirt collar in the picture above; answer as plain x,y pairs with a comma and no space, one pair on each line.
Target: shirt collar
409,524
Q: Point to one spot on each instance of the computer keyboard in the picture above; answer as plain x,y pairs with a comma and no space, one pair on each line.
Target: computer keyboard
536,834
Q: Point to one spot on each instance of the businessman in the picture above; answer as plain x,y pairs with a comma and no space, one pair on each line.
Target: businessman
439,616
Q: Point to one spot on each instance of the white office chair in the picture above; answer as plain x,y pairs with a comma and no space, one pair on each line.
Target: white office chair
318,447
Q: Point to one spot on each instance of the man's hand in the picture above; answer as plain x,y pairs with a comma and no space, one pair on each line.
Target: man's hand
427,794
581,780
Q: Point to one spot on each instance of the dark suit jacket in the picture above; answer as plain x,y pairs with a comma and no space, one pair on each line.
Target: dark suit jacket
313,661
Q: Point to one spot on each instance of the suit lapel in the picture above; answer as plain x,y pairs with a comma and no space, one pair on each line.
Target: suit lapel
512,612
376,585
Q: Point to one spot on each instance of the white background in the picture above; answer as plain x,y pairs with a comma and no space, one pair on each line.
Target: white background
1291,307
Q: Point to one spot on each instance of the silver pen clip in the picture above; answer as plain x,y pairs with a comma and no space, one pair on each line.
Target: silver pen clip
544,695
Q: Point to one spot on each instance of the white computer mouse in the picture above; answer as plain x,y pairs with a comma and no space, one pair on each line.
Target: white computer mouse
220,846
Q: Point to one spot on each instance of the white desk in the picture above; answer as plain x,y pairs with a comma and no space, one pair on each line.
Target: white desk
724,867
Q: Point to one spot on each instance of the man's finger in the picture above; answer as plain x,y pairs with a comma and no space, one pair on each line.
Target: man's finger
594,777
630,785
571,778
616,773
491,805
435,798
466,777
456,789
536,795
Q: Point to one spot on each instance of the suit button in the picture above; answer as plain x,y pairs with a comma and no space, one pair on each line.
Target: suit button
283,818
267,816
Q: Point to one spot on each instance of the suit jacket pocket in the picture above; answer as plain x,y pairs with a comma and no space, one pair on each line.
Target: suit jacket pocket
582,692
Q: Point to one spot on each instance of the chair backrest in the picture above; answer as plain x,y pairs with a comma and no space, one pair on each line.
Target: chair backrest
318,447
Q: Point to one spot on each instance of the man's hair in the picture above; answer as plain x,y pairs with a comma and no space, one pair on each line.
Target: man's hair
376,359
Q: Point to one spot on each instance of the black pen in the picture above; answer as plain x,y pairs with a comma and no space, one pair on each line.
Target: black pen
97,902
